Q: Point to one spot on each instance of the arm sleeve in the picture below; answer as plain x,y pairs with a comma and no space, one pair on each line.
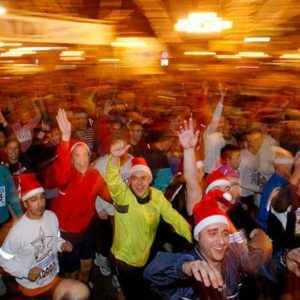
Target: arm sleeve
164,275
8,258
12,196
103,190
172,217
62,164
116,186
212,127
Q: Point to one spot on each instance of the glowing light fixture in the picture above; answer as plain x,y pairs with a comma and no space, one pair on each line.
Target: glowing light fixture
257,39
128,42
40,48
3,44
228,56
71,53
253,54
291,56
109,60
2,10
72,58
204,53
207,22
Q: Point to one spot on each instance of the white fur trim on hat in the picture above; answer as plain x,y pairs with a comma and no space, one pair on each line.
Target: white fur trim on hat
284,161
80,143
32,193
208,221
218,182
140,168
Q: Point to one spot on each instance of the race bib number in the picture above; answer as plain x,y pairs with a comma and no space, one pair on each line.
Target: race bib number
2,196
24,135
50,268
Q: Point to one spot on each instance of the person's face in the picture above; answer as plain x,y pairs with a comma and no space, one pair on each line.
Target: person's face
80,158
136,133
175,123
213,241
81,121
12,150
114,128
24,117
235,160
35,206
55,136
139,182
254,141
2,139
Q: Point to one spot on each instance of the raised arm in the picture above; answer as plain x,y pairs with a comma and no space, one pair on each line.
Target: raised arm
188,139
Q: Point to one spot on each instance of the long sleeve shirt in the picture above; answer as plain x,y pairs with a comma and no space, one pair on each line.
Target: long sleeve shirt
75,204
213,141
31,243
136,223
8,195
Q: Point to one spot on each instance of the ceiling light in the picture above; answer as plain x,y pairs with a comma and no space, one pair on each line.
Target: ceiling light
2,10
257,39
71,53
202,23
128,42
253,54
291,55
199,53
3,44
228,56
108,60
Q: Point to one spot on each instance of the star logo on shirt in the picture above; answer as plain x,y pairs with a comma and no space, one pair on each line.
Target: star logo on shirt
42,245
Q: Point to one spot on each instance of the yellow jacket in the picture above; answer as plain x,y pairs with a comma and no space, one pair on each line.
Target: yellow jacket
135,223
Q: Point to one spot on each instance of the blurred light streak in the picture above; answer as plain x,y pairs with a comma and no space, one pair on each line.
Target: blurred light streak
108,60
247,67
253,54
2,10
290,56
228,56
40,48
128,42
199,53
3,44
257,39
71,53
65,67
70,58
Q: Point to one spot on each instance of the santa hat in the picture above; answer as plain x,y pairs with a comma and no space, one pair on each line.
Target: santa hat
29,186
215,179
139,164
207,212
75,143
219,196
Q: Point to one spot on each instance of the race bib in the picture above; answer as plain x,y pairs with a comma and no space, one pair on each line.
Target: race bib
24,135
50,268
2,196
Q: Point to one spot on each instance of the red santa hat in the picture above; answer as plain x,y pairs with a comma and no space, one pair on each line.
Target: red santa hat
75,143
29,186
207,212
215,179
219,196
139,164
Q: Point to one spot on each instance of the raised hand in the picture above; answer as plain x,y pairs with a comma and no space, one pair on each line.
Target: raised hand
223,90
118,149
188,138
203,272
64,125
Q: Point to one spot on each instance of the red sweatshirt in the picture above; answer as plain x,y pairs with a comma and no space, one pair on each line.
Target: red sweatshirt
75,205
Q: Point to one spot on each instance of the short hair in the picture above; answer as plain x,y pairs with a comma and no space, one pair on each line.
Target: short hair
134,123
227,150
12,138
254,130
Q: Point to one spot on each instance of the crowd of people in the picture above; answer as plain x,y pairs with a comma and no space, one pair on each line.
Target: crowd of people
192,206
